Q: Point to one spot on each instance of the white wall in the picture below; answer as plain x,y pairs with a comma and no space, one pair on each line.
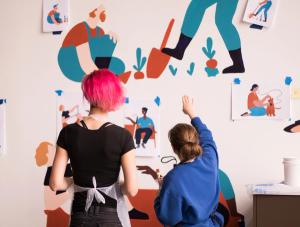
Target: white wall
250,152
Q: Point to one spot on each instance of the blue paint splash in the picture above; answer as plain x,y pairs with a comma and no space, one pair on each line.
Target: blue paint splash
126,100
237,81
288,80
59,92
157,101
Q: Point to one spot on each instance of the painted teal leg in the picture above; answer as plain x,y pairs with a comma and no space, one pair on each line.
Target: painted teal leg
224,14
194,15
117,66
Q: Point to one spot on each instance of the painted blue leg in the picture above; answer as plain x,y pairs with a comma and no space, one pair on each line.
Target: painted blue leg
224,14
191,23
194,15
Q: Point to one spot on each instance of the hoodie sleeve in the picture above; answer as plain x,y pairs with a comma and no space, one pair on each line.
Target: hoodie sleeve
168,205
207,142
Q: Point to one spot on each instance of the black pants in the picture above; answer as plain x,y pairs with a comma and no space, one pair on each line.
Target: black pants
96,217
138,135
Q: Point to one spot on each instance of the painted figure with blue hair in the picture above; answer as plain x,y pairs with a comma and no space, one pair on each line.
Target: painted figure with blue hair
264,8
225,10
54,16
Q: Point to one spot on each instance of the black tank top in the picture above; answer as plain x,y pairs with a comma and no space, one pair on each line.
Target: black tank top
95,153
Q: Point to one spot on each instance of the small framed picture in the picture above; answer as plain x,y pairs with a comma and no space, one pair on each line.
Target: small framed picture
261,12
55,15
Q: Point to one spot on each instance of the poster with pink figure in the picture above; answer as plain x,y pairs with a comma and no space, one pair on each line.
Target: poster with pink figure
261,100
261,12
55,15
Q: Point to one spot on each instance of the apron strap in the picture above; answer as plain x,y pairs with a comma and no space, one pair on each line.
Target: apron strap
97,31
83,124
88,29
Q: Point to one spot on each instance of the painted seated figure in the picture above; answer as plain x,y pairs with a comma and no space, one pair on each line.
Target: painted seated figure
87,48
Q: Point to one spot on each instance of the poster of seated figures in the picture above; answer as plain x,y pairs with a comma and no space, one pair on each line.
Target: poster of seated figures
142,120
261,100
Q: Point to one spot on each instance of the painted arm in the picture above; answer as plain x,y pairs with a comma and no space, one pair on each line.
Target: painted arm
263,2
261,102
131,120
129,187
58,181
85,60
74,108
54,20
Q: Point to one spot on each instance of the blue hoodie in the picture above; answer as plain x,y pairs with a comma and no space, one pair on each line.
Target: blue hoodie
190,192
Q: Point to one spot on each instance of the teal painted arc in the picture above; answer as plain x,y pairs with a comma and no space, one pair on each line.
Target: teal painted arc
226,186
100,46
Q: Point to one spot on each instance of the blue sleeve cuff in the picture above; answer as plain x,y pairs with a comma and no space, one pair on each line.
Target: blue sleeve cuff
196,121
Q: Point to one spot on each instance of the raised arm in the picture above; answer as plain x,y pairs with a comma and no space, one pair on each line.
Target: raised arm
207,142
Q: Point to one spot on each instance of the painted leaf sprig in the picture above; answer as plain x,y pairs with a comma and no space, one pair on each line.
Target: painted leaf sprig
208,51
141,61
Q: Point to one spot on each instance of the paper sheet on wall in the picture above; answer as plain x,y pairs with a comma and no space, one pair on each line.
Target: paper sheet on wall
140,123
270,100
55,15
261,12
3,145
71,107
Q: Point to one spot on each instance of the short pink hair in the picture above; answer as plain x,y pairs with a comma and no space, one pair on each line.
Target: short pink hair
103,89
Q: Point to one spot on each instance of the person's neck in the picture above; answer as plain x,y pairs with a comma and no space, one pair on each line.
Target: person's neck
98,114
92,22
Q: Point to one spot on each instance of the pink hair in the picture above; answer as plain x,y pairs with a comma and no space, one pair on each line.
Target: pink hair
103,89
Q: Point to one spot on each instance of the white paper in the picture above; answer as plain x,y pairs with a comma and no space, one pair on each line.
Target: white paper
55,15
134,110
70,108
3,145
261,12
277,90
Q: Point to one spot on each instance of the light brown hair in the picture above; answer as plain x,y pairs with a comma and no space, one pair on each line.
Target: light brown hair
185,142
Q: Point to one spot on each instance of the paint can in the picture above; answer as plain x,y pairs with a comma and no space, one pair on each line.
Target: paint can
292,171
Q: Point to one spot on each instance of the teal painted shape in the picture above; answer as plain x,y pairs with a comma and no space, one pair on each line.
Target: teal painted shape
69,63
100,46
225,11
192,68
117,66
59,92
173,70
157,101
211,72
226,186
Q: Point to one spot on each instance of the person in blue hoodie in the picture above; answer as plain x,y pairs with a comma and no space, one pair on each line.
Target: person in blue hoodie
189,193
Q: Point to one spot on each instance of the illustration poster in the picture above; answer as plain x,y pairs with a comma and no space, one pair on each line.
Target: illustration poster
258,100
55,15
261,12
143,122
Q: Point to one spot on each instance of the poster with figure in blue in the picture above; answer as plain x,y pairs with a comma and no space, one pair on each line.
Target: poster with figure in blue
55,15
2,126
261,12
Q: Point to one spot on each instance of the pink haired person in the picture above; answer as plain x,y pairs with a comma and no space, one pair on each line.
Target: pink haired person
97,149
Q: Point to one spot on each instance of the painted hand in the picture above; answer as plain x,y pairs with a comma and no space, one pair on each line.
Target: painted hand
113,36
